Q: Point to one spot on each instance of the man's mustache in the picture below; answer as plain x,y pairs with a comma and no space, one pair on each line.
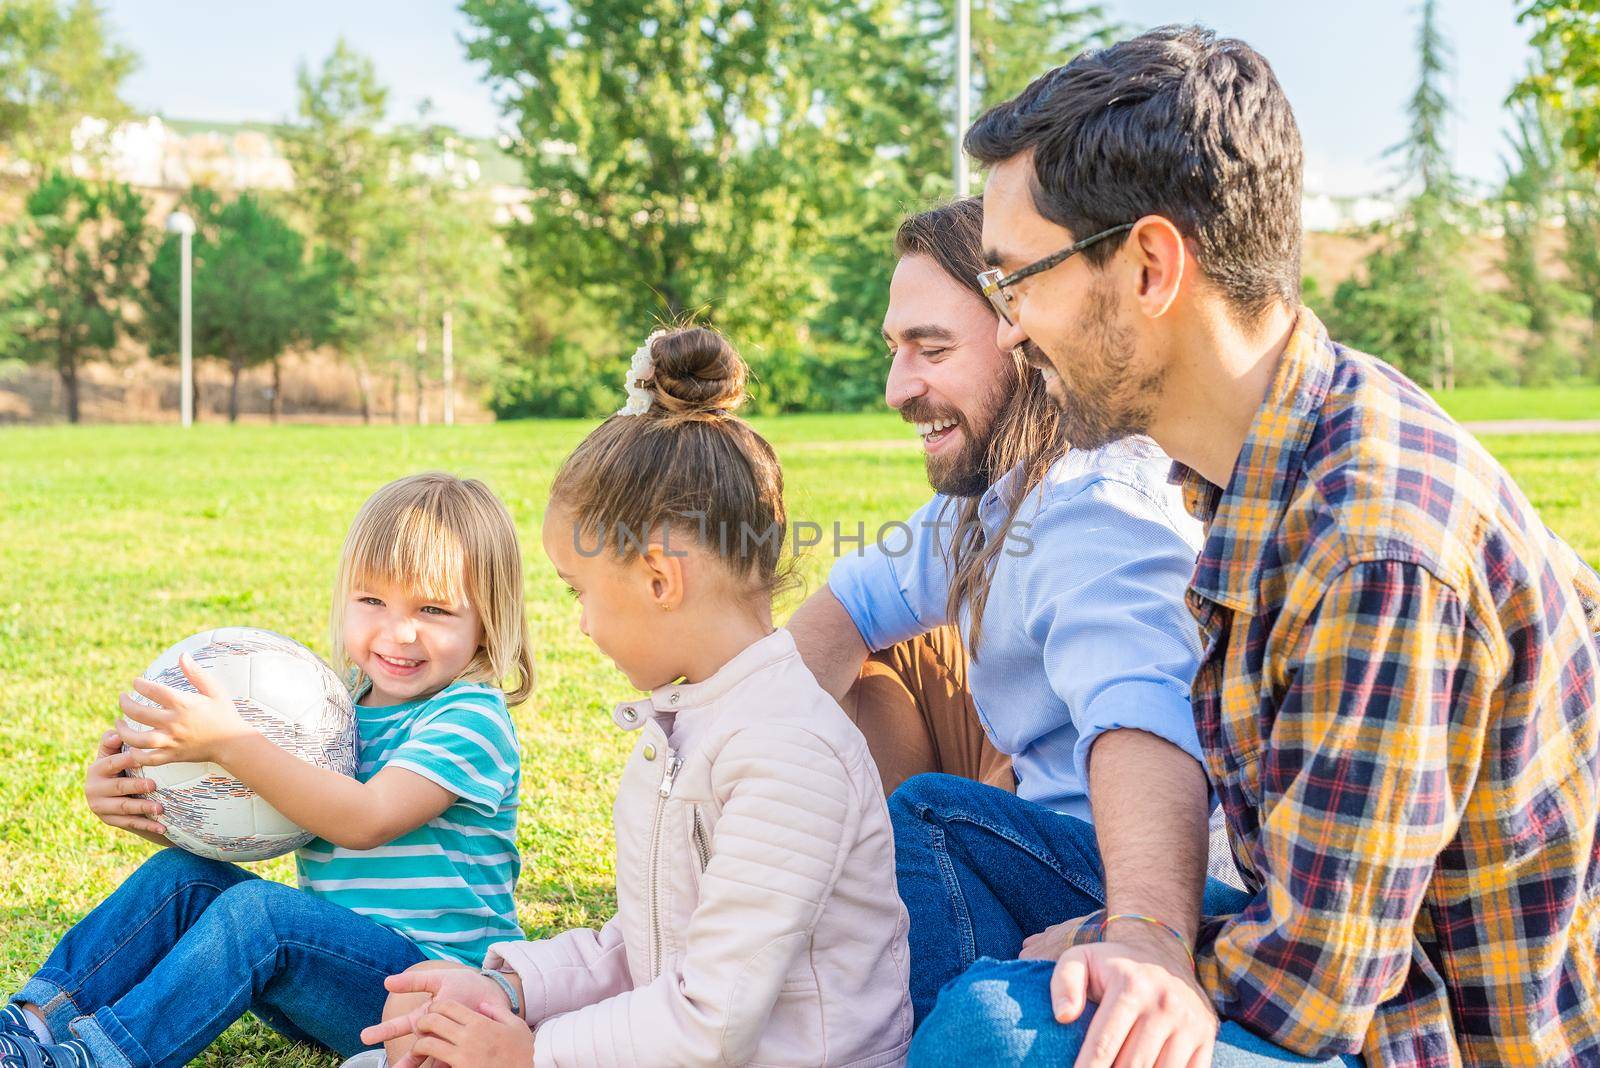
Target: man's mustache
921,412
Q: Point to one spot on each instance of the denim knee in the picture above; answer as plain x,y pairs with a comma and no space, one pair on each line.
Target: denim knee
995,1012
177,867
258,905
930,791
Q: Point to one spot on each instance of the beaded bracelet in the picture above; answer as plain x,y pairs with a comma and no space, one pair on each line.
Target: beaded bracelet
1167,927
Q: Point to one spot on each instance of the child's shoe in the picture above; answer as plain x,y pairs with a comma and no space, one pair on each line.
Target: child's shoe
372,1058
19,1051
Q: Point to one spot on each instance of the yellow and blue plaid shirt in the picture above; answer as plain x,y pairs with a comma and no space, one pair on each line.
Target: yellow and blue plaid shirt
1399,703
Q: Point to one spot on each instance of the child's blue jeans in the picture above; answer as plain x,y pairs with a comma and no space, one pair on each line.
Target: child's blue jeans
186,946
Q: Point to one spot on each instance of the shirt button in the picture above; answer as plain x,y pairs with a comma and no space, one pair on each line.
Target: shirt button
672,700
649,752
629,714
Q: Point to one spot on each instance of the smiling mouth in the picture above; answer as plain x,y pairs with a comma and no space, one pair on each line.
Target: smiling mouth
395,663
936,430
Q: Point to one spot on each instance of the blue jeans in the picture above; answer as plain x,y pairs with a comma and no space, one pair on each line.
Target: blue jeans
185,946
998,1014
979,870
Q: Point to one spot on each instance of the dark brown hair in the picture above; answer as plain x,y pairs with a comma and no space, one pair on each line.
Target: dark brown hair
1177,122
686,468
1027,431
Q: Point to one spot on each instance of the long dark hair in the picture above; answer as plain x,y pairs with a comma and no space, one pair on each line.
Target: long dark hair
1027,432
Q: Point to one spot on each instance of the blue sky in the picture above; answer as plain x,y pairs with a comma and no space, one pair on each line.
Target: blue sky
1348,66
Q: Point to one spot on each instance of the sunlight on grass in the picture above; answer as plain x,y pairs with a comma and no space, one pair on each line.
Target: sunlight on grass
115,542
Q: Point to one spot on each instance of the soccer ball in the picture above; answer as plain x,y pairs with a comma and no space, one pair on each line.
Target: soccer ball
286,692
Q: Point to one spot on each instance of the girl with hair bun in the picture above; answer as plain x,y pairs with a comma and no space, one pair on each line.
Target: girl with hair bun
757,917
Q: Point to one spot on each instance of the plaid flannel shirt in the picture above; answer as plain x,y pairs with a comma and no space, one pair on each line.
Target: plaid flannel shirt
1399,702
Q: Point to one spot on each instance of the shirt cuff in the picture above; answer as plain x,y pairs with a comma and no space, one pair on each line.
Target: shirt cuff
866,586
1151,707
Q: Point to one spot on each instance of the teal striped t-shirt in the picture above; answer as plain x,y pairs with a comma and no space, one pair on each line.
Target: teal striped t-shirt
447,885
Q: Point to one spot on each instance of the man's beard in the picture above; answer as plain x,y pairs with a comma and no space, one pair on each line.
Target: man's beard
971,470
1104,400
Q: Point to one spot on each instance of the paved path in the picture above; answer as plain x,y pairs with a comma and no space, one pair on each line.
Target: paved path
1535,426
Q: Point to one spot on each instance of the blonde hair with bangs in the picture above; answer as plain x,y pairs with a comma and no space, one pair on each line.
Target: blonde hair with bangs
448,538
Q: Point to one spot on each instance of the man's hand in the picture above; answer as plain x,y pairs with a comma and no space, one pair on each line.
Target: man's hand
1151,1012
464,1037
443,986
184,726
112,795
1049,943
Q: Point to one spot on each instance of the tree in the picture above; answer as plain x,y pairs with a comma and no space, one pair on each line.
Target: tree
21,269
1581,210
91,243
1533,180
1015,41
1418,304
1568,32
344,195
684,158
254,293
452,260
57,65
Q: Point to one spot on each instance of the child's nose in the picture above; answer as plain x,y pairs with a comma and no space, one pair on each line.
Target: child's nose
402,631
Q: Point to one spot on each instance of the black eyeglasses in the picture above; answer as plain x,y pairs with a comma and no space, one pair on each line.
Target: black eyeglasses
997,287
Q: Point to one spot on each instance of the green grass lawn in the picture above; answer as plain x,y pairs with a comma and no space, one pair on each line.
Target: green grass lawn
1500,402
116,542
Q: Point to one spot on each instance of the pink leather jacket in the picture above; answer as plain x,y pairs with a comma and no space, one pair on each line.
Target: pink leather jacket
757,918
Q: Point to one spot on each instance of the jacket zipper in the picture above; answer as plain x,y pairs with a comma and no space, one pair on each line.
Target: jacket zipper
671,772
701,846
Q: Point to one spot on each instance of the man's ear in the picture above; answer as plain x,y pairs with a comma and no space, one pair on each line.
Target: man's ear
1162,260
664,571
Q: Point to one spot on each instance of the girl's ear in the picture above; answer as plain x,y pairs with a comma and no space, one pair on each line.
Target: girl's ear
664,570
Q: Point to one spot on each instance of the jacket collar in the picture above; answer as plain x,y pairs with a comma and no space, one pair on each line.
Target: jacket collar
1241,519
680,697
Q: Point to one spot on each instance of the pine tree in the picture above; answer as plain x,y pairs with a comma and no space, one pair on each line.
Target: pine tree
1418,304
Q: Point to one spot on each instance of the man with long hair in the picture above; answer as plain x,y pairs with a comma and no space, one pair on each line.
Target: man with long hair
1032,616
1399,698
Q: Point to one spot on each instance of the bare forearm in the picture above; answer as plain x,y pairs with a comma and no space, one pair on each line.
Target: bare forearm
1150,814
828,642
331,806
150,836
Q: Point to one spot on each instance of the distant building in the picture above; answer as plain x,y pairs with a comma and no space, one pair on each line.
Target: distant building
174,154
1324,212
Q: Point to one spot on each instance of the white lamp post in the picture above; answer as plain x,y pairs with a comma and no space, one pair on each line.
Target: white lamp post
180,223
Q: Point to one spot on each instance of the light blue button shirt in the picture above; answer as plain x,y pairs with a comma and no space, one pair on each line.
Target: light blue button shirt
1085,629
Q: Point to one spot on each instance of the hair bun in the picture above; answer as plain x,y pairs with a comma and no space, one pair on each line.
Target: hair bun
697,371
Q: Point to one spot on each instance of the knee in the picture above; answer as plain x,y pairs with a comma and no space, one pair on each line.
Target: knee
177,867
925,793
259,903
996,1012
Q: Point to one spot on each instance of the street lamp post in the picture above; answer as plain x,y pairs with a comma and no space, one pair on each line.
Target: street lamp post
179,223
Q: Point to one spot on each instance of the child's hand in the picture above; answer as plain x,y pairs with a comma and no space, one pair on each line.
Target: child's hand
460,1037
186,726
460,986
110,792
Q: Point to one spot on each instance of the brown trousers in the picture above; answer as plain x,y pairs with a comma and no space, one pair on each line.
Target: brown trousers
912,703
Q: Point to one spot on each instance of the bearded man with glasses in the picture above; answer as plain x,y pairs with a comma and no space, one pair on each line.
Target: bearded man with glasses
1398,697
